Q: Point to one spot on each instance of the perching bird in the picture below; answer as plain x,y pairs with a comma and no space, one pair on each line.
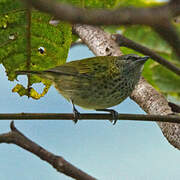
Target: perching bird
96,83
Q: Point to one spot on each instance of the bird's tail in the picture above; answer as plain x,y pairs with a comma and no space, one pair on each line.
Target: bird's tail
42,74
28,72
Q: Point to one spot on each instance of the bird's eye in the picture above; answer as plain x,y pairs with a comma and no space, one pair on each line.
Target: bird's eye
41,50
132,58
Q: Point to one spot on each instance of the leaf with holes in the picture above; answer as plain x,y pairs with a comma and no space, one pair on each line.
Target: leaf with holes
29,41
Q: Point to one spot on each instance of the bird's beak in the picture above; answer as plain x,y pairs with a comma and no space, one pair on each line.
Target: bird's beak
143,59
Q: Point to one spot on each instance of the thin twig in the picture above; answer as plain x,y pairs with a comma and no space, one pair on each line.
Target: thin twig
123,41
28,29
92,116
28,45
168,32
58,162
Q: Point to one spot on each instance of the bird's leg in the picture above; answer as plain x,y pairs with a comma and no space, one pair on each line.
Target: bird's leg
112,112
75,112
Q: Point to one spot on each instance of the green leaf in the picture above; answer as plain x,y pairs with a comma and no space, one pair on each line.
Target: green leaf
147,37
92,3
138,3
124,3
166,80
22,91
30,43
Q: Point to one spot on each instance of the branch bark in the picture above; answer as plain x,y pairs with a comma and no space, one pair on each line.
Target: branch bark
144,94
153,102
92,116
126,16
157,17
58,162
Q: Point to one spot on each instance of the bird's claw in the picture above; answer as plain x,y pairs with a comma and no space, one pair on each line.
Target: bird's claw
114,116
113,113
76,115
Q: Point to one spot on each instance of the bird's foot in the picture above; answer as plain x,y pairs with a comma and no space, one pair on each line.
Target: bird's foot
113,113
76,114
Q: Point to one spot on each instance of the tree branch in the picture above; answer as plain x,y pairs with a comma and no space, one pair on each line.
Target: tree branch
123,41
59,163
174,5
98,41
168,33
175,107
126,16
92,116
153,102
157,17
174,1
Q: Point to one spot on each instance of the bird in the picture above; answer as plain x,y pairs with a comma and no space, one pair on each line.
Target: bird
96,83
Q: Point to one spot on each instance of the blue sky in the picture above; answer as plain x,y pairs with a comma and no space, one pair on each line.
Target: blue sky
129,150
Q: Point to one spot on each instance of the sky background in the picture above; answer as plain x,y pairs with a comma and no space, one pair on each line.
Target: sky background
127,151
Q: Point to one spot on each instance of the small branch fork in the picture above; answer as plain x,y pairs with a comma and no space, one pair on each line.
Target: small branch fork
59,163
92,116
159,18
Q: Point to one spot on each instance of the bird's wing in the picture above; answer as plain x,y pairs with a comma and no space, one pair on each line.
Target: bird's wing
90,67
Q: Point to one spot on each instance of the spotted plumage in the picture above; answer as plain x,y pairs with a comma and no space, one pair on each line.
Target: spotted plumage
98,82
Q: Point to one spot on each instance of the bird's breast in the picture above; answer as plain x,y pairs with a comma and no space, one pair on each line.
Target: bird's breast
100,93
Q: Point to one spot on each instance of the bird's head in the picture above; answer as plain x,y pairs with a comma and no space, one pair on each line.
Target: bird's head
132,63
